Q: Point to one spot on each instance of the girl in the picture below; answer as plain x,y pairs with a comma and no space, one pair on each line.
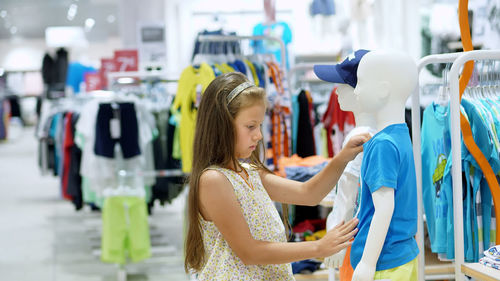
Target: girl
235,232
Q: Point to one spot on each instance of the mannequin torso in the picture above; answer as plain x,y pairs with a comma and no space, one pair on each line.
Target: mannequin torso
388,218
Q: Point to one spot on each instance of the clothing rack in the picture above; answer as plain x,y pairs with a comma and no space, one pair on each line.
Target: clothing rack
142,74
153,173
224,38
300,67
458,60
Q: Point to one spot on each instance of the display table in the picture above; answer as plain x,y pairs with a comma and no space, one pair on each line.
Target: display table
480,272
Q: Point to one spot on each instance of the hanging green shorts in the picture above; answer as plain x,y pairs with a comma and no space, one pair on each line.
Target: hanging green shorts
125,230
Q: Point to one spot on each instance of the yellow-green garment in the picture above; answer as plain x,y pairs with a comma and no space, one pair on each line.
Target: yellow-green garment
405,272
185,100
253,71
125,229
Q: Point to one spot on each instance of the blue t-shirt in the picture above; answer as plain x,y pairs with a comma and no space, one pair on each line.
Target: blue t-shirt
76,75
481,133
388,162
323,7
278,29
435,150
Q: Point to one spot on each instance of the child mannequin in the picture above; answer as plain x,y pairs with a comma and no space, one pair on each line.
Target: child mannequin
385,247
235,232
347,187
344,198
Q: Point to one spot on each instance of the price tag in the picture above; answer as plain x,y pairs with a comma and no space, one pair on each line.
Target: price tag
199,89
127,60
114,127
93,81
107,65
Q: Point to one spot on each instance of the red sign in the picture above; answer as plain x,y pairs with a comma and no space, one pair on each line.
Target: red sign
107,65
127,60
93,81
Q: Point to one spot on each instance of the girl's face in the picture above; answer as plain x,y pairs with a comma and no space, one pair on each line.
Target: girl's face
248,123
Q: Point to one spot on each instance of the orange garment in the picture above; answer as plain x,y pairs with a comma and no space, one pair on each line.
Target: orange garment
280,127
295,160
346,271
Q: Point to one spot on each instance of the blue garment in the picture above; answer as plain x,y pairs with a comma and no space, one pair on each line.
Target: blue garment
482,139
295,122
306,266
217,72
53,135
323,7
388,162
76,75
241,66
3,127
435,151
278,29
259,70
301,173
129,131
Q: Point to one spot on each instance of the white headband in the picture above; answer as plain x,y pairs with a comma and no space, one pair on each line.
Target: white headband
236,91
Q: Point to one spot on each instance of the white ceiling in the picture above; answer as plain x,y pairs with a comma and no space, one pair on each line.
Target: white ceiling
29,18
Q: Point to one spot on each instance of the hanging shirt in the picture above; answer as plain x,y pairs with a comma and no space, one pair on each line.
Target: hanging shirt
305,135
191,85
337,123
323,7
388,162
482,138
76,75
279,30
436,147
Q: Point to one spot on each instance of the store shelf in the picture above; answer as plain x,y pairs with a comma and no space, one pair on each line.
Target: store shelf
317,275
480,272
434,270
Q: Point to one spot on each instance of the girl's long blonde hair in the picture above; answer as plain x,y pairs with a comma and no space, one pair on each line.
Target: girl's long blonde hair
214,142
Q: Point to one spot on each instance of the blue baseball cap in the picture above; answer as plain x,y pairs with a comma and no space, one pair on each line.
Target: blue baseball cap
344,72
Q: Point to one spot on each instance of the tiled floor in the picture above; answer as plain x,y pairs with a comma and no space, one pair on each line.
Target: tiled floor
43,238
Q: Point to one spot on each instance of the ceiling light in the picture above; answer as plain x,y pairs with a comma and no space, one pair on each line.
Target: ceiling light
73,9
89,23
111,18
3,14
13,30
125,80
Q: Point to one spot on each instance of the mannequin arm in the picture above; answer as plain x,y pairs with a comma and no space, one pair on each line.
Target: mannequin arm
383,201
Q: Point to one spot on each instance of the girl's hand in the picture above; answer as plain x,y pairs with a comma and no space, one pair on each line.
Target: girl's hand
337,238
354,146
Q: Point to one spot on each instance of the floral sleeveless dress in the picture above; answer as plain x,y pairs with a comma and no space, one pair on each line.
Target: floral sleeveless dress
265,224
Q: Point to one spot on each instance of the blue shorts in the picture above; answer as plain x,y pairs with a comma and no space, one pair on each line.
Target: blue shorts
129,131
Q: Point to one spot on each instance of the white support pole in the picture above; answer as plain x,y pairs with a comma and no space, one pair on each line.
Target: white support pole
417,153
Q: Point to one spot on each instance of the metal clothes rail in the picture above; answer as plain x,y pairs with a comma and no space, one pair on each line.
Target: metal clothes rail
229,38
458,60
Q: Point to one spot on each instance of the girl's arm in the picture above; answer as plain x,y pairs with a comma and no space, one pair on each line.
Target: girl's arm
311,192
219,204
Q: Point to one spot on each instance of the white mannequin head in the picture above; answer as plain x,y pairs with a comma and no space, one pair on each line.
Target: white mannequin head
385,81
347,99
349,102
